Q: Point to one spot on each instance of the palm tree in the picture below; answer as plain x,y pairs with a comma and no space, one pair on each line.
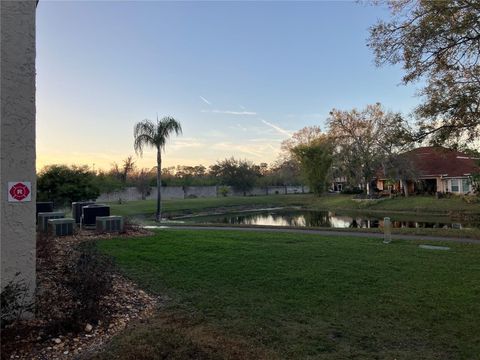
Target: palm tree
149,134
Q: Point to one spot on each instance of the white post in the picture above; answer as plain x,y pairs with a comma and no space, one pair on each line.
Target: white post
387,230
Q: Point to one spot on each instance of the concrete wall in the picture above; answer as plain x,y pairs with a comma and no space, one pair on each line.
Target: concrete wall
180,192
271,190
201,191
17,134
168,193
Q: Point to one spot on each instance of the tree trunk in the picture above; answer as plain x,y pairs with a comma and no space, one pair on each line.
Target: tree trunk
405,187
158,215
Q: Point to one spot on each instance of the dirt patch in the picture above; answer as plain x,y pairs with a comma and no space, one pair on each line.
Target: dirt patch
178,334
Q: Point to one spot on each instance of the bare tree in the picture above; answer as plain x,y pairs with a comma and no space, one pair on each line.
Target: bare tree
304,136
364,140
438,41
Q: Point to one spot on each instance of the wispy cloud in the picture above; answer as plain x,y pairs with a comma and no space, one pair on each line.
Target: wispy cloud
275,127
187,143
205,100
243,128
306,116
229,112
257,151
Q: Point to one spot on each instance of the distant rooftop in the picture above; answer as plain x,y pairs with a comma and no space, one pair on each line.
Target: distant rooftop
440,161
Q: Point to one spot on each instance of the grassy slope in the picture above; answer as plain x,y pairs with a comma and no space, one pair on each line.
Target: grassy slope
187,206
419,204
304,296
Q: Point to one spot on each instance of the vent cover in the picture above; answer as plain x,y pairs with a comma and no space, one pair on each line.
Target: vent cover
91,212
46,206
77,209
109,224
61,227
43,217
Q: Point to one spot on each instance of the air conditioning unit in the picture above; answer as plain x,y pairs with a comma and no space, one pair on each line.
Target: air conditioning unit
45,206
90,213
109,224
43,217
61,227
77,209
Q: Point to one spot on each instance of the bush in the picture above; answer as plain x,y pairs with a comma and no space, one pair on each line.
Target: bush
88,278
130,225
224,190
352,191
471,199
13,301
63,185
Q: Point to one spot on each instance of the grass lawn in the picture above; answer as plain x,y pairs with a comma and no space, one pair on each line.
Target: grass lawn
272,295
189,206
413,204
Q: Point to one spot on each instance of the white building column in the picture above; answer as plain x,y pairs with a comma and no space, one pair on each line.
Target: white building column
17,142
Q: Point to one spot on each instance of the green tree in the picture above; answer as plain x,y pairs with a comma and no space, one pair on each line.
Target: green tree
439,42
284,172
63,185
108,182
304,136
142,179
241,174
315,161
149,134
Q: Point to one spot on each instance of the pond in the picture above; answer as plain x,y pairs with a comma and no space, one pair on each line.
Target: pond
327,219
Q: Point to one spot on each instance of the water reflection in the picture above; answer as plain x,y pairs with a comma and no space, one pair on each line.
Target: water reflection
328,219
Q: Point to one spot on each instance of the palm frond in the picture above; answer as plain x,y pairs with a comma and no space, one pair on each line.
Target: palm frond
166,126
144,135
147,133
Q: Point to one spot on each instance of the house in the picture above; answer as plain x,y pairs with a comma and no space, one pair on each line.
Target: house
437,169
338,184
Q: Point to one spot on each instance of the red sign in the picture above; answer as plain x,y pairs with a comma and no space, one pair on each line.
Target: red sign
19,191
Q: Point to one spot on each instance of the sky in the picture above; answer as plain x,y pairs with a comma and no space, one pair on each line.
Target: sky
240,77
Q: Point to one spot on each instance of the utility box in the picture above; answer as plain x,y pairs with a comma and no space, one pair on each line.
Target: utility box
91,212
43,206
43,217
77,209
109,224
61,227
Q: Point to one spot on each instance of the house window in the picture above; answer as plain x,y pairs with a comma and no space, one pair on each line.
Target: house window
454,185
465,185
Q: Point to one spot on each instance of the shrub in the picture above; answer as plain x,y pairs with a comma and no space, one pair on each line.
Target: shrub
63,185
224,190
14,302
471,199
130,225
352,191
88,278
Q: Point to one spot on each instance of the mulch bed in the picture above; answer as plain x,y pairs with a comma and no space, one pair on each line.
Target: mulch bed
38,339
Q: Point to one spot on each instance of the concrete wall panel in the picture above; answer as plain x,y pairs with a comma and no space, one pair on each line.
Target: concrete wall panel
17,139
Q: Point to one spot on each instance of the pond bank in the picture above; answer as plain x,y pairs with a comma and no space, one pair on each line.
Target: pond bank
425,205
330,232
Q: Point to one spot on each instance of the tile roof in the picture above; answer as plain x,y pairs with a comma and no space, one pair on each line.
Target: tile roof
438,161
